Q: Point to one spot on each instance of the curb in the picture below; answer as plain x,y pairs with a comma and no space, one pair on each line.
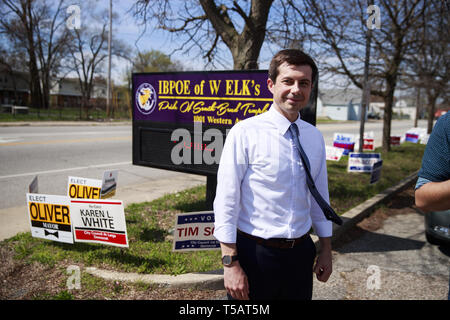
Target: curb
213,280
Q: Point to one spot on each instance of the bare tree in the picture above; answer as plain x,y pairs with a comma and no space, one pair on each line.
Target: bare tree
18,23
428,68
341,41
206,25
39,27
52,44
88,51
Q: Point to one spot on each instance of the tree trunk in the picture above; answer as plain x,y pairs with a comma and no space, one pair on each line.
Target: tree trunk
245,47
431,104
387,118
246,57
416,119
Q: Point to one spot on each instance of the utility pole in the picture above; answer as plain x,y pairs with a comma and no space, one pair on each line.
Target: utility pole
108,80
416,118
366,88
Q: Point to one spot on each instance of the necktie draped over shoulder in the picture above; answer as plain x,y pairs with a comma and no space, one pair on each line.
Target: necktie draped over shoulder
326,208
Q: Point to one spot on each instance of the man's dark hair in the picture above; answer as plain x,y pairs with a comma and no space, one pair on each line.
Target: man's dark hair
293,57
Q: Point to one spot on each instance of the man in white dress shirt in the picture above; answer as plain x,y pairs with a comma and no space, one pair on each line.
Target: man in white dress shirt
263,208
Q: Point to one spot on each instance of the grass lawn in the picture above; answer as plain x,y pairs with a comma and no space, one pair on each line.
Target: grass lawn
149,223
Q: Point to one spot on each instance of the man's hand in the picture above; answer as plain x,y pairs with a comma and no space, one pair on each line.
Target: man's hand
235,281
324,264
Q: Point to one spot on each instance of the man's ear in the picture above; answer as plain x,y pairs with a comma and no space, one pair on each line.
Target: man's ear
270,84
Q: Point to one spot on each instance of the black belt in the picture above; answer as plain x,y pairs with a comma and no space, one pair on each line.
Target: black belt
280,243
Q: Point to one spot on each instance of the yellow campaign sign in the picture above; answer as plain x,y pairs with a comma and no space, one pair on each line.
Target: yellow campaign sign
82,188
84,192
48,212
50,217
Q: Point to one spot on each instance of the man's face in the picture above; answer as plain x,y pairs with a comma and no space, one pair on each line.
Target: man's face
291,89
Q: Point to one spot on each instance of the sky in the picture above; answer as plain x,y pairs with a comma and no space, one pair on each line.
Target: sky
127,29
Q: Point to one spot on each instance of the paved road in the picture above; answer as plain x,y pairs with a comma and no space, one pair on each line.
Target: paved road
386,257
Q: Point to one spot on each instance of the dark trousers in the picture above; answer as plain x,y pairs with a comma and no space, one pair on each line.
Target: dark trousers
275,273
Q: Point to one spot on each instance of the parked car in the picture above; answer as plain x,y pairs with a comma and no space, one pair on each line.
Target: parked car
373,115
437,227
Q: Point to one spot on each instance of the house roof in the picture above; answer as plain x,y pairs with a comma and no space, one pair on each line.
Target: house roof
340,96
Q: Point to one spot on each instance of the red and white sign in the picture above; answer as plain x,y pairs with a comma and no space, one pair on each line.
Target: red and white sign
99,221
368,144
395,140
333,153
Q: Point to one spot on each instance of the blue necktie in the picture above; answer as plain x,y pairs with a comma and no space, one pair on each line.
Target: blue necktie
326,208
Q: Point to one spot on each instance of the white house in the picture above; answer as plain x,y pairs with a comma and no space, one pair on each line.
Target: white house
67,93
339,104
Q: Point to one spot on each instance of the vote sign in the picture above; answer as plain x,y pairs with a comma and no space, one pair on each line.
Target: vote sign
50,217
376,172
345,141
362,162
194,231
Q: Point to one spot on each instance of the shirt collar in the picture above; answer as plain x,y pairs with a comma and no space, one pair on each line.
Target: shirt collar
280,121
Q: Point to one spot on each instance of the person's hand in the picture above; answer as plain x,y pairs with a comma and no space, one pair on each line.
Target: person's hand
235,281
324,266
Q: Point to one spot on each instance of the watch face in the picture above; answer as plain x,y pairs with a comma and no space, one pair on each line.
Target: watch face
226,260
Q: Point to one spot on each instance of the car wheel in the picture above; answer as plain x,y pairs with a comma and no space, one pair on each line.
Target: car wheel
431,239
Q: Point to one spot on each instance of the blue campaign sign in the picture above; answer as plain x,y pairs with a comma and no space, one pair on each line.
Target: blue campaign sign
362,162
192,218
194,231
376,171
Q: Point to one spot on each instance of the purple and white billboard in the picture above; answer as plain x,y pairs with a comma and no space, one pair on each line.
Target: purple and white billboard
219,98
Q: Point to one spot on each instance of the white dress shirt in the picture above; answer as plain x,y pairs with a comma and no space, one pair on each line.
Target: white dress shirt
261,183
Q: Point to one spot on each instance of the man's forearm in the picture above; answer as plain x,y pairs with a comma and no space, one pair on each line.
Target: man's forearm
325,244
228,249
433,196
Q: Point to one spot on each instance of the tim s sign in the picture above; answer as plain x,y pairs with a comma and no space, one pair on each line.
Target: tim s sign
194,231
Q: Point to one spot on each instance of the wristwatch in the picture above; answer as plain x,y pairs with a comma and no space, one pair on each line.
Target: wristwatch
228,260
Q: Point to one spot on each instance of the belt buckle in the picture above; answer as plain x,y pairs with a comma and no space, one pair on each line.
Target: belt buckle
292,241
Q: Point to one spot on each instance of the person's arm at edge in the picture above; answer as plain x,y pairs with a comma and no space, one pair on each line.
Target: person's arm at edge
433,196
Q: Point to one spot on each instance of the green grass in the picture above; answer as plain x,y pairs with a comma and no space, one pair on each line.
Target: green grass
149,223
149,251
348,189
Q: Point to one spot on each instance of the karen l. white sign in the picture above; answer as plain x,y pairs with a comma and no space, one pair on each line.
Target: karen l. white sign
99,221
